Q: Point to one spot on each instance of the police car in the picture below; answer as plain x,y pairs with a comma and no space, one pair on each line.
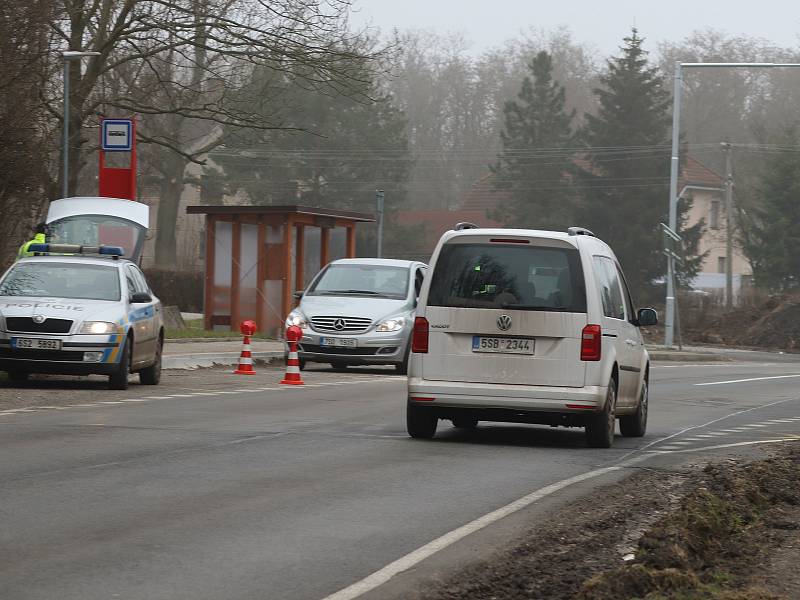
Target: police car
77,310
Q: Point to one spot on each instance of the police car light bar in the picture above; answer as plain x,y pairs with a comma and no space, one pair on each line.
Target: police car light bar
75,249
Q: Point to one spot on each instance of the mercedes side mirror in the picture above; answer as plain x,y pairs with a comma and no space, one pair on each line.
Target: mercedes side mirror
141,298
298,294
647,317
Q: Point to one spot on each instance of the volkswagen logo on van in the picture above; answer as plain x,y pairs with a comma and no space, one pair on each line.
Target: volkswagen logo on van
504,322
39,319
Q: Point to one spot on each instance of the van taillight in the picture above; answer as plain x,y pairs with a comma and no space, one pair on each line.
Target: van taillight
419,341
591,342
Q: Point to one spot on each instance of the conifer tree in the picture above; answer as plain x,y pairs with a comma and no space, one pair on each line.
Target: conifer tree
625,180
536,158
771,232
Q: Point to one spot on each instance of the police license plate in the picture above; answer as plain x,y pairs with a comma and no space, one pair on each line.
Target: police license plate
338,342
35,344
502,345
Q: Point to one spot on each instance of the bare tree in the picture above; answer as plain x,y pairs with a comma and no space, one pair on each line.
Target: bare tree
179,65
23,123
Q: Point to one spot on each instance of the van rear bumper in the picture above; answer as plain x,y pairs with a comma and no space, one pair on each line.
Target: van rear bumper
533,398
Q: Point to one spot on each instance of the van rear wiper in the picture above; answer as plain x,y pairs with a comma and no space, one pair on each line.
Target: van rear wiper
532,307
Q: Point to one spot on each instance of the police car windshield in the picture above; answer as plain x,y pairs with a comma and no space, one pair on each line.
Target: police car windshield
62,280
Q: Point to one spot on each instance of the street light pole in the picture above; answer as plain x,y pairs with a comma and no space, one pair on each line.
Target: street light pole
379,198
726,147
674,168
67,56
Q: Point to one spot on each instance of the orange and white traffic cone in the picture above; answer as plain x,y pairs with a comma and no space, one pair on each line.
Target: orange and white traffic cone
247,328
292,377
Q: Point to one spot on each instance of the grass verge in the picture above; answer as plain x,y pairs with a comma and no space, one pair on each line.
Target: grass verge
712,546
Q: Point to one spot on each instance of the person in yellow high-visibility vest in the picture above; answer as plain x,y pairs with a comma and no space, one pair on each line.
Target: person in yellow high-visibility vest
40,237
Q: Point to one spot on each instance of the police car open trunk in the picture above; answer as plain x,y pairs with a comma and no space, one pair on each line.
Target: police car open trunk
506,310
90,221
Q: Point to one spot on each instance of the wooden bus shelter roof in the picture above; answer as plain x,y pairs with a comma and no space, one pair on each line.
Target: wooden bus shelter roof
280,210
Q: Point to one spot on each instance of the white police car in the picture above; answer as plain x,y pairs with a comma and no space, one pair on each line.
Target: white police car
75,310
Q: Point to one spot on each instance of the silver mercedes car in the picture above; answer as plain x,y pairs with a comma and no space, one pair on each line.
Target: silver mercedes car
359,311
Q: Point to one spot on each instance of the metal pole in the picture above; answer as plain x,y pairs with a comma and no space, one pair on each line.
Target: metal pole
669,328
65,145
379,197
726,147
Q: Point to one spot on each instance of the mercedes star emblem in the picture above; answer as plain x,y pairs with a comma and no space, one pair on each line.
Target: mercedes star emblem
39,318
338,324
504,322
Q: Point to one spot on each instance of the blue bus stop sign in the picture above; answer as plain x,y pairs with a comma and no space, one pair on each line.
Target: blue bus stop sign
117,135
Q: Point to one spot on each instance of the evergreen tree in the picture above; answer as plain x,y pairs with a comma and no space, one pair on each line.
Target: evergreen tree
625,179
771,232
535,160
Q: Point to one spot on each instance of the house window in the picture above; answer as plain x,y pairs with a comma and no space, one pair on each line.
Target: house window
714,218
720,264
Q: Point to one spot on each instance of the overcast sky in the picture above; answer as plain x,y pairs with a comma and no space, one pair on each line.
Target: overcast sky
601,23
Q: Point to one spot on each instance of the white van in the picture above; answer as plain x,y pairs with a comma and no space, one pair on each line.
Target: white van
528,326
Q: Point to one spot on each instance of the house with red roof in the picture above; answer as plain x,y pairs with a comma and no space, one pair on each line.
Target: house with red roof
699,183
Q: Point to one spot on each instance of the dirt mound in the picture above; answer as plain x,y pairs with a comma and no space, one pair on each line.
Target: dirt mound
775,324
710,547
724,532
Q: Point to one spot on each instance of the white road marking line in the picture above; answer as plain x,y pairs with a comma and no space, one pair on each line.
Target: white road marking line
180,395
156,397
732,445
750,379
136,400
110,402
681,443
705,435
404,563
715,433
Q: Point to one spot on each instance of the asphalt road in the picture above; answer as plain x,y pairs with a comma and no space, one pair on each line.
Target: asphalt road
217,486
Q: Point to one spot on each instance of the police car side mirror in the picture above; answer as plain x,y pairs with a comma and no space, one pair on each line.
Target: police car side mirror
141,298
298,294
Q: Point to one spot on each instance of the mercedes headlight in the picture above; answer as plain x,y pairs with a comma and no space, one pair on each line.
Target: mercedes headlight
395,324
98,327
297,318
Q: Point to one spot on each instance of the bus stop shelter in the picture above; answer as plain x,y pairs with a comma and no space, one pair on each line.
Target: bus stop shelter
257,256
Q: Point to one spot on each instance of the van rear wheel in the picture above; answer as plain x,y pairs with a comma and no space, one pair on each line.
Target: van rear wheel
420,421
635,425
600,426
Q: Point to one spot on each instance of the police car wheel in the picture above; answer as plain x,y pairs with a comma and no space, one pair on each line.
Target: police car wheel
119,380
152,375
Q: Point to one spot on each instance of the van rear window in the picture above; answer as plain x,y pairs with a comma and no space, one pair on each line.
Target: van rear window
508,277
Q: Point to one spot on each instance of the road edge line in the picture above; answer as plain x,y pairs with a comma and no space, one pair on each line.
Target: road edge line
413,558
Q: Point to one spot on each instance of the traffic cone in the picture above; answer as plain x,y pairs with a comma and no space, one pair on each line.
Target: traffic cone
247,328
292,377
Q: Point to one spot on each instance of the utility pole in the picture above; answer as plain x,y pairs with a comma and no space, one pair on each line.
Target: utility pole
674,164
379,199
726,148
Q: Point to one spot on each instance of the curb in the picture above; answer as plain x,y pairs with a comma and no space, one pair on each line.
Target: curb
688,357
206,360
215,339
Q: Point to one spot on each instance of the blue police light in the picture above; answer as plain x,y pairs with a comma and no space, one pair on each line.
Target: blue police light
39,248
110,250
